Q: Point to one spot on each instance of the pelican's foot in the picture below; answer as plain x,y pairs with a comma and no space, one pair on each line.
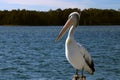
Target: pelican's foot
82,76
75,77
78,77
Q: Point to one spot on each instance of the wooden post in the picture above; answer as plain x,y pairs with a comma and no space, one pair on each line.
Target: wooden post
78,77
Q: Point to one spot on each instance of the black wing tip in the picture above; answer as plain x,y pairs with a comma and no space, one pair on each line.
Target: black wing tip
93,70
92,67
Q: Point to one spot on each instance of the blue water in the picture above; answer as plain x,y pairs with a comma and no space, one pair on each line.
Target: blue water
31,53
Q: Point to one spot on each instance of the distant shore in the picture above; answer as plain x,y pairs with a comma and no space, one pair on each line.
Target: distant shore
58,25
88,17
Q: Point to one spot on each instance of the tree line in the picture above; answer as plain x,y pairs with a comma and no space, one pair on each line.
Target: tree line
89,16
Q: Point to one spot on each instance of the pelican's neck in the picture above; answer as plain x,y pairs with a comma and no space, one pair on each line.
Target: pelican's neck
71,32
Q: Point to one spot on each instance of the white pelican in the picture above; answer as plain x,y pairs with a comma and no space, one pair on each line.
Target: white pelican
76,54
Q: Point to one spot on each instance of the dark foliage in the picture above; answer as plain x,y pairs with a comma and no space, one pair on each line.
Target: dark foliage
58,17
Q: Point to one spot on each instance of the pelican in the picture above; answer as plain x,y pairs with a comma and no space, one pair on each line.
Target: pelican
76,54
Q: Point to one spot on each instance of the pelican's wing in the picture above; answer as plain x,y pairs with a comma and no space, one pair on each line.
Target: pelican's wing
87,57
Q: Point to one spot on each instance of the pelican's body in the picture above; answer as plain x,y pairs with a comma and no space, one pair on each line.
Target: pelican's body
77,55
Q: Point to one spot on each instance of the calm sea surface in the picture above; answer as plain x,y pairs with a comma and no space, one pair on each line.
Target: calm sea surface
31,53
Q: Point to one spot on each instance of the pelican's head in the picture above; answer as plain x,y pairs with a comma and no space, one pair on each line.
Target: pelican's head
75,17
73,20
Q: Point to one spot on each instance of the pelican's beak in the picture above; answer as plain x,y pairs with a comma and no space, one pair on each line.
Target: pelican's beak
67,25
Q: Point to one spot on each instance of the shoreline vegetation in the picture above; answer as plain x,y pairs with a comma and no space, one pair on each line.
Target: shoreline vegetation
58,17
